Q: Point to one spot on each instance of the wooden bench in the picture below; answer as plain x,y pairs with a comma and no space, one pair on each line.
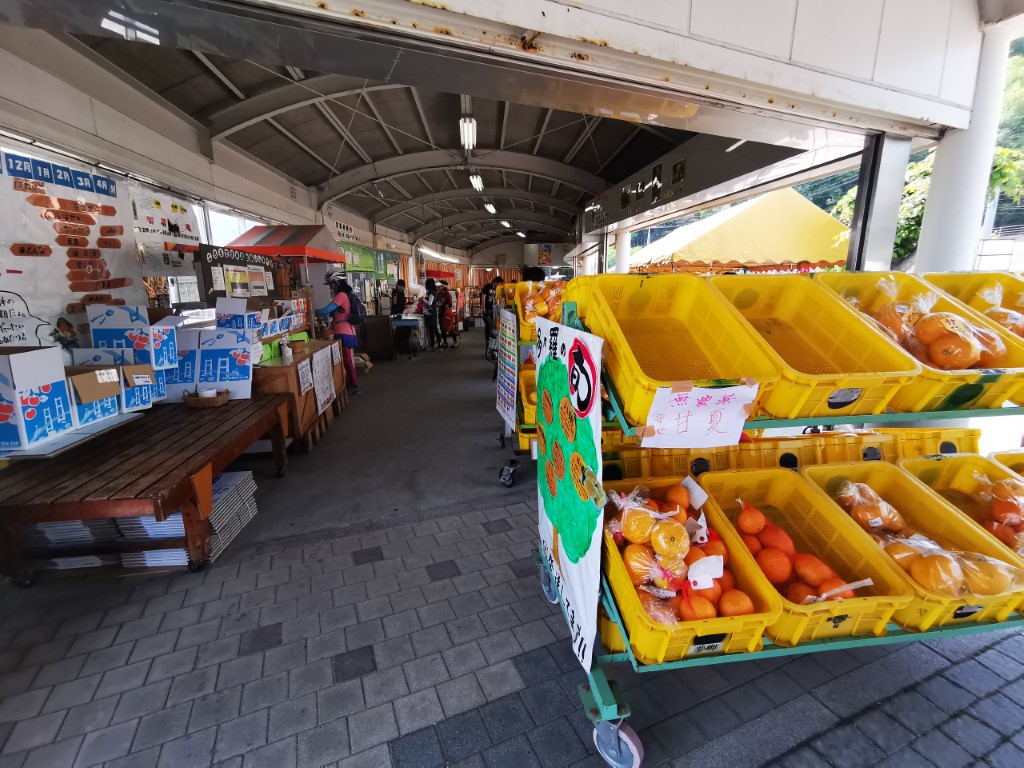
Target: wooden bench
155,465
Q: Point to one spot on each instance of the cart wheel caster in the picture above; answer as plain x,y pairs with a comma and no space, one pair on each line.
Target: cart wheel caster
25,580
618,745
547,585
282,471
197,566
501,439
507,475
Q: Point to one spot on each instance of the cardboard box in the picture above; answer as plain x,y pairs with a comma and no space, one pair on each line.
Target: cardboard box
184,378
137,382
95,393
34,401
95,356
130,328
235,313
225,361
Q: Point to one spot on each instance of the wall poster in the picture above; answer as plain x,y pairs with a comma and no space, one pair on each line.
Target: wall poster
166,230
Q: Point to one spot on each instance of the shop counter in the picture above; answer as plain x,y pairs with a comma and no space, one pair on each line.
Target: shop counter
154,465
275,376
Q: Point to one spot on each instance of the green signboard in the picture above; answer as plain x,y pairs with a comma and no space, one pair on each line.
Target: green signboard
358,258
387,266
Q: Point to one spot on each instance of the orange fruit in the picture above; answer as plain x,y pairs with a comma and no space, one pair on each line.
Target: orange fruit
658,494
775,565
1005,533
938,573
1007,490
694,607
848,495
753,543
751,520
868,517
678,495
711,594
728,581
835,583
735,603
889,317
674,570
1010,319
954,353
1007,512
992,347
693,556
670,539
936,325
797,592
716,547
903,554
987,577
652,505
658,609
773,537
637,525
640,563
811,570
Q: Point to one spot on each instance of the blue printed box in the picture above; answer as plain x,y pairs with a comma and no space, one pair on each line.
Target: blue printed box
34,402
129,328
226,358
95,393
234,313
137,382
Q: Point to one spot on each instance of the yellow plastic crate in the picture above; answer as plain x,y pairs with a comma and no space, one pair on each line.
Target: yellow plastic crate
863,445
934,389
660,331
782,452
964,286
955,478
528,387
621,462
653,642
528,330
579,290
680,462
832,361
934,517
1012,460
792,503
931,442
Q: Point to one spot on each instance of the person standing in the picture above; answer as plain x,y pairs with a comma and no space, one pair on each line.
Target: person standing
398,298
446,315
341,307
430,316
489,293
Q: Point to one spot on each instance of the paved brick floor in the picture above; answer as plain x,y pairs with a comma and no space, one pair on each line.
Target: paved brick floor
429,645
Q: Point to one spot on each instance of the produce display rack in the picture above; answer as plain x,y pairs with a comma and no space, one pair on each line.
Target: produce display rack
603,702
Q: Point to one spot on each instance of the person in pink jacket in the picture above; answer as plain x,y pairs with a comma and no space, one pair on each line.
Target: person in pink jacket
340,306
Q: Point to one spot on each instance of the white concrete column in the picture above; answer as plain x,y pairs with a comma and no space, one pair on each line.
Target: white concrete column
955,209
622,251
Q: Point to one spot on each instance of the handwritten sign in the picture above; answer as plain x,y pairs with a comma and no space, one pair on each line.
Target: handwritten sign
508,370
305,377
323,379
335,354
697,417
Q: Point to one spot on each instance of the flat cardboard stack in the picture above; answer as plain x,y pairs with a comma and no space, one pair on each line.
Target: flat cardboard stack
72,533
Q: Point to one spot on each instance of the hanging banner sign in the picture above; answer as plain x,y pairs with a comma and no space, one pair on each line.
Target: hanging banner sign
234,273
696,417
65,242
166,229
570,498
508,368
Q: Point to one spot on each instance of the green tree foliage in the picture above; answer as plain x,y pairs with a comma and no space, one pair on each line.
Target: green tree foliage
1011,126
1007,177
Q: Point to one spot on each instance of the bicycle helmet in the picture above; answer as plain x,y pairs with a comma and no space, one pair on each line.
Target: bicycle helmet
334,275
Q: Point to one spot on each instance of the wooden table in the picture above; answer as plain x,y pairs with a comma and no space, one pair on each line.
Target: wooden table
155,465
278,377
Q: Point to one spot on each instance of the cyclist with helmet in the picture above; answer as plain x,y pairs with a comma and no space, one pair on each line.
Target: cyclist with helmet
340,306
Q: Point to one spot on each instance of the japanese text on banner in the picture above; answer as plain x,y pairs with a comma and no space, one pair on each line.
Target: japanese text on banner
697,417
508,370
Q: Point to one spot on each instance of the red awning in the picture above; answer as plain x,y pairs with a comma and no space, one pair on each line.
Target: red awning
438,273
312,241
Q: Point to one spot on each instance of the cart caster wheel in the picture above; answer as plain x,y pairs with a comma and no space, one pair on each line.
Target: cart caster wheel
282,471
197,566
547,586
25,580
629,752
507,474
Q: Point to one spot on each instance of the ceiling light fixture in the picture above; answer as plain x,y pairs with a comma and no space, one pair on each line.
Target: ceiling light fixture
738,144
506,224
439,256
521,234
467,131
490,208
477,181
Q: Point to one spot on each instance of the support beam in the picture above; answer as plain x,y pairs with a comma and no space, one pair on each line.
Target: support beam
622,251
423,117
380,121
470,193
498,160
876,211
215,71
589,124
346,135
505,107
543,130
618,150
531,220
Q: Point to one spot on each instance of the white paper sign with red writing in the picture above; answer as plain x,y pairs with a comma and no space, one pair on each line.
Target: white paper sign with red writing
697,417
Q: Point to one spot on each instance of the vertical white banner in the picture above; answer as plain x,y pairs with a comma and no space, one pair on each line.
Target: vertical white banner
508,367
571,501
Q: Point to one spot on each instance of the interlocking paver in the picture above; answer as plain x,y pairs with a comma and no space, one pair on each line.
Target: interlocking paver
215,708
58,755
264,692
417,750
975,737
500,647
88,717
240,671
383,686
172,664
446,569
192,685
161,727
260,639
155,646
338,618
195,749
280,754
429,641
425,672
142,701
236,737
284,657
464,658
71,694
33,732
516,751
323,744
499,680
310,677
847,747
459,695
372,727
100,746
54,673
292,716
340,700
375,608
393,652
366,633
354,664
940,751
126,678
218,651
507,717
403,623
326,645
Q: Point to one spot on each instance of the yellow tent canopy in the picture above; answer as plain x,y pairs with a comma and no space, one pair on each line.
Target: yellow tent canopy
781,230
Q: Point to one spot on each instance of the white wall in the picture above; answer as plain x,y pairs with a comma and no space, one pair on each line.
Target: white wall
910,60
56,92
509,254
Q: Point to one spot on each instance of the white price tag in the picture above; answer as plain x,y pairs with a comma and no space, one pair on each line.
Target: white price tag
700,648
141,379
698,530
106,375
703,572
698,497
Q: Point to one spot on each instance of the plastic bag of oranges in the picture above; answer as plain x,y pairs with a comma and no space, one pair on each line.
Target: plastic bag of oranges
991,297
543,300
869,510
952,572
1002,509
